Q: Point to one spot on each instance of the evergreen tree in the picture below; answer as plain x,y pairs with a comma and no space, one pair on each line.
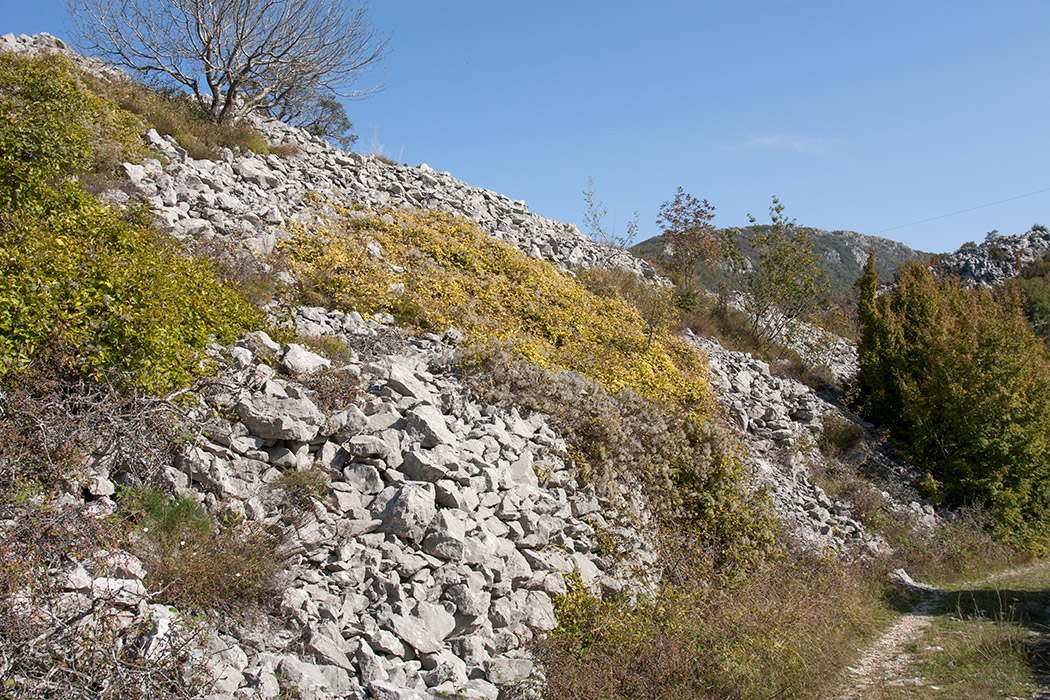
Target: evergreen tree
962,386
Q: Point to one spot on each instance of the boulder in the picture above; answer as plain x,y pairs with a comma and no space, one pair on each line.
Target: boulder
275,415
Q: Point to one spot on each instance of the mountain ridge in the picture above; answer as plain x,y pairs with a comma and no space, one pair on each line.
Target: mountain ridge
841,254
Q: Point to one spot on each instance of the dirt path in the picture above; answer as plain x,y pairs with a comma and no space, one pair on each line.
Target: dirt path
886,660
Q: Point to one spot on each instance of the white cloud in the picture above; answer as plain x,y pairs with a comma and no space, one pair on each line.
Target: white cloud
792,142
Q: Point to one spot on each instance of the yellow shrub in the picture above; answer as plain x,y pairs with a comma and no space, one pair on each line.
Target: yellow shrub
432,270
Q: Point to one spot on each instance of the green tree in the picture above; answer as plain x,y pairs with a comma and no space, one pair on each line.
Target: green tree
1033,284
327,118
788,281
963,388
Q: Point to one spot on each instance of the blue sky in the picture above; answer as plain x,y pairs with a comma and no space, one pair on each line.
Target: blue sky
866,116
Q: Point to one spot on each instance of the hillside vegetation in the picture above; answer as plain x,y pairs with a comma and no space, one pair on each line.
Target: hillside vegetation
962,385
100,307
102,284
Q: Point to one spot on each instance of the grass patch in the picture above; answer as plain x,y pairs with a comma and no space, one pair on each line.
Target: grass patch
197,560
300,486
987,640
175,115
732,328
785,631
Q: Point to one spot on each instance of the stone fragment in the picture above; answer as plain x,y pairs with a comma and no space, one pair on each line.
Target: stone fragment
409,513
118,591
430,424
256,173
370,668
99,486
278,416
388,643
328,651
405,382
363,477
503,670
414,632
447,536
381,690
419,465
368,446
300,361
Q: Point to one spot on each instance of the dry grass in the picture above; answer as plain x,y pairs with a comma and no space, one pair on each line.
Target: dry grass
962,545
785,631
732,329
174,115
196,560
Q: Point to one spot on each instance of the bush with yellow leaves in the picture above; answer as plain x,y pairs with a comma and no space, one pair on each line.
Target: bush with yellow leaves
432,270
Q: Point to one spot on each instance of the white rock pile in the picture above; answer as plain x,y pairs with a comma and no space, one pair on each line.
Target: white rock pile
992,262
779,419
446,528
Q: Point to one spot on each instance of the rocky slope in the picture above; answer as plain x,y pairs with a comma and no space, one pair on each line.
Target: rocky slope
246,198
446,526
996,260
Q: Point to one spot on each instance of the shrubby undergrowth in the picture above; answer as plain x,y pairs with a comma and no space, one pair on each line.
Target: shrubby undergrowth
432,270
116,293
53,424
786,631
196,560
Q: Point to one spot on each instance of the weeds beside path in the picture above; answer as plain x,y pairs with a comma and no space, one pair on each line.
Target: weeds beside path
981,639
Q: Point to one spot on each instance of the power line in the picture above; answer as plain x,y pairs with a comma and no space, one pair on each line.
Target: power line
963,211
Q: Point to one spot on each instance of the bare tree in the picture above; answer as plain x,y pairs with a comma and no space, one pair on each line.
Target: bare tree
237,56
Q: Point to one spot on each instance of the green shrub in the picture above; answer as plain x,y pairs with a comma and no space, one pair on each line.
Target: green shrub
119,296
963,386
52,126
432,270
166,515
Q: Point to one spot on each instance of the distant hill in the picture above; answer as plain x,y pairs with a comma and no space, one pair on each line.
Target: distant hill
842,254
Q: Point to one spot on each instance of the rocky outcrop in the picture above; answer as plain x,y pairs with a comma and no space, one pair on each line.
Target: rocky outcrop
994,261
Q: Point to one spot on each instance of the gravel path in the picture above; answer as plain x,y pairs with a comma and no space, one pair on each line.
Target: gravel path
886,661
